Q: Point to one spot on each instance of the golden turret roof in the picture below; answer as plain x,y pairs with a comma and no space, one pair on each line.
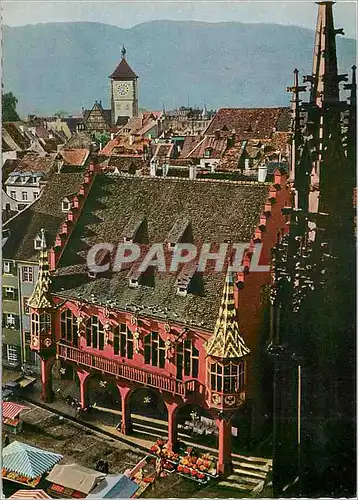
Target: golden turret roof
40,298
226,341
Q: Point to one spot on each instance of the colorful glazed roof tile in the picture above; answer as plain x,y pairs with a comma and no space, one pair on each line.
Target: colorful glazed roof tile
219,211
226,341
27,460
40,296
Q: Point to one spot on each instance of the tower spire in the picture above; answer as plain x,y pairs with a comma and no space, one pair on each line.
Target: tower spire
123,52
325,78
40,297
226,341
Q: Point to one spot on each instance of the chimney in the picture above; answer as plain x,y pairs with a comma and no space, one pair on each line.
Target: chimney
131,140
262,173
112,136
153,169
217,134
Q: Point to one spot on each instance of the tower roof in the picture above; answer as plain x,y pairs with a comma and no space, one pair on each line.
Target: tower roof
40,296
226,341
123,70
325,78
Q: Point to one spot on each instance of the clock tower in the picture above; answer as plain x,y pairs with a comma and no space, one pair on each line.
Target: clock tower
124,91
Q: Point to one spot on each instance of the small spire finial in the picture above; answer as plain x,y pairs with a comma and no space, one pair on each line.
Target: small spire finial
43,239
123,52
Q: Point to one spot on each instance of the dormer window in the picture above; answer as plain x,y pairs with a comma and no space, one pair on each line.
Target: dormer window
208,152
66,205
182,291
37,243
133,282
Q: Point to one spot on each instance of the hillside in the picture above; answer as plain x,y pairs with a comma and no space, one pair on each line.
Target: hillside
64,66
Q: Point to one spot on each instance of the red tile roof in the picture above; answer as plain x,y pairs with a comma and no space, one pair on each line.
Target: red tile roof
123,70
33,162
195,147
76,157
248,123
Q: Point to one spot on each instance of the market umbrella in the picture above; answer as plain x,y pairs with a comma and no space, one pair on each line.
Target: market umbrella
27,460
30,494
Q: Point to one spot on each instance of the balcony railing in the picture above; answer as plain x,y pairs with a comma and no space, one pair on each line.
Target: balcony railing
132,373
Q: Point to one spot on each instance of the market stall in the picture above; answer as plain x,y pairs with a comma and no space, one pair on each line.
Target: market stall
11,420
114,486
30,495
187,463
73,481
25,464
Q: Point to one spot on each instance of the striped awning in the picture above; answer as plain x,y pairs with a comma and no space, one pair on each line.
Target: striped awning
11,410
27,460
31,494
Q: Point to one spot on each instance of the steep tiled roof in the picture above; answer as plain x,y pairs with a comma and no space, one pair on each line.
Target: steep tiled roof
8,167
79,140
45,212
121,145
195,147
50,145
123,70
17,136
226,341
124,164
250,123
218,212
33,162
75,157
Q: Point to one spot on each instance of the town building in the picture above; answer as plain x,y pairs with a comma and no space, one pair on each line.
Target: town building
24,184
173,334
20,247
124,92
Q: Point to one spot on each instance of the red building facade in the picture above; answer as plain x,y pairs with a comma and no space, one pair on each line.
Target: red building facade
203,349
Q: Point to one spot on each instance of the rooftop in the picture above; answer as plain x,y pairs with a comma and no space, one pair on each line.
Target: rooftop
123,70
250,123
76,157
218,212
45,212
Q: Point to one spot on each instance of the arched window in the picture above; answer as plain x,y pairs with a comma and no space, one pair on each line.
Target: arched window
187,361
94,333
154,350
123,341
69,329
229,378
40,323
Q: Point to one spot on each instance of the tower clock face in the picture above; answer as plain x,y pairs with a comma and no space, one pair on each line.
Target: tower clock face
123,89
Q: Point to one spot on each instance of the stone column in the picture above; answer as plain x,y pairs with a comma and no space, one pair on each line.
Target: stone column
224,462
172,426
46,378
83,378
126,425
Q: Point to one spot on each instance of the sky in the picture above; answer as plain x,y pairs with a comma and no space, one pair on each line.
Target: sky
126,14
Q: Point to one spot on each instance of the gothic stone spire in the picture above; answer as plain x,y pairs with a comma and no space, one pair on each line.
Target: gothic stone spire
40,297
226,342
325,78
